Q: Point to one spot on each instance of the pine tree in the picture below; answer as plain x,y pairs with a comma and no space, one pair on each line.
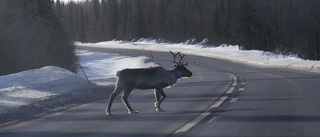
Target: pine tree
82,29
248,25
112,19
273,25
310,47
34,37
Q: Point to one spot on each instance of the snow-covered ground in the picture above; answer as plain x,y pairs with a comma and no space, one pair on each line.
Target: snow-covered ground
34,91
101,68
227,52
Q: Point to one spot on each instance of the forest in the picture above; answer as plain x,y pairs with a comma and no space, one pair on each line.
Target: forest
36,33
32,36
281,26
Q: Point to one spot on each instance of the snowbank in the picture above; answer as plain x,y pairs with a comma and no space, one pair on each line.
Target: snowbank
101,68
35,91
21,88
226,52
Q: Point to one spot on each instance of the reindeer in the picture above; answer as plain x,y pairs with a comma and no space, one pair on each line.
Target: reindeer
155,78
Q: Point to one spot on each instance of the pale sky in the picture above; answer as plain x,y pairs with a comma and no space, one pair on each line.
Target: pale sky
66,1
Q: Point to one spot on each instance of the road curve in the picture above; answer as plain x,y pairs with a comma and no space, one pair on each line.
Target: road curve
261,102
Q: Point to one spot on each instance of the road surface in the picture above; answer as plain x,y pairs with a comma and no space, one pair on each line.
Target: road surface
221,99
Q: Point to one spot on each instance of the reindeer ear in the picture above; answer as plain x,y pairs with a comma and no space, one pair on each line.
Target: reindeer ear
178,66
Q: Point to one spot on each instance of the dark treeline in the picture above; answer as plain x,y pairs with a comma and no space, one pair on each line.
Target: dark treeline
286,26
32,36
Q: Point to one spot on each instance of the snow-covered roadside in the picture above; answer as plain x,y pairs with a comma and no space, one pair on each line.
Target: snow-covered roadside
31,92
35,91
101,68
231,53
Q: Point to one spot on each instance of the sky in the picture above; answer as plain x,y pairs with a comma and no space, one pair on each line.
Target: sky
66,1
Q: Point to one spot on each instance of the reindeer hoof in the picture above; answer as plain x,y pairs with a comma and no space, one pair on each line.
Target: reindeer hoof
156,104
159,109
108,112
132,112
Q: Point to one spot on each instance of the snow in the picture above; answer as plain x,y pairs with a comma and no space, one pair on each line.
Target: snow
18,89
226,52
39,90
101,68
34,91
67,1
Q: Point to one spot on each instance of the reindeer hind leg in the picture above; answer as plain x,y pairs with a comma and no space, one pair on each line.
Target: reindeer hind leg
159,99
116,92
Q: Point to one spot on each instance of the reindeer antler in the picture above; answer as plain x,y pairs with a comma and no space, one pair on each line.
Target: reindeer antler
174,57
181,57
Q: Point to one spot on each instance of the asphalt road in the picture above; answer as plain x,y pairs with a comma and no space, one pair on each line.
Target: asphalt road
256,102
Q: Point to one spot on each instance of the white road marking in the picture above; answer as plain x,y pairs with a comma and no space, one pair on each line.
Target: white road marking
234,84
234,100
192,123
214,119
203,115
241,89
235,79
230,90
243,83
217,103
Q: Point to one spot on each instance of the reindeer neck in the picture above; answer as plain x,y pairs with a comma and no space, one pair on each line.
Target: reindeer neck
173,76
176,73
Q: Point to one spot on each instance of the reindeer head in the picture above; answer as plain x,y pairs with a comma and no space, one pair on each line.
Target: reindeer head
180,66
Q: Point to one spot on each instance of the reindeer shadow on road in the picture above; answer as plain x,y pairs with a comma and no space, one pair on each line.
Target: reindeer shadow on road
202,83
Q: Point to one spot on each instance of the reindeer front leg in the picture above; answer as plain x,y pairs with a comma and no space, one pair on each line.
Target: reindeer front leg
124,97
159,99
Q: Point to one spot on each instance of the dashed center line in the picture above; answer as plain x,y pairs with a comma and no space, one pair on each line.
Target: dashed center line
193,122
217,103
234,100
214,119
230,90
203,115
234,84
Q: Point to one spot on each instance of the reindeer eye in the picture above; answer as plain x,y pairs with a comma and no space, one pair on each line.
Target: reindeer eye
181,66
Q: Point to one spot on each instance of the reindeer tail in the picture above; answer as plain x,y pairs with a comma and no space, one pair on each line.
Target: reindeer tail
118,73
